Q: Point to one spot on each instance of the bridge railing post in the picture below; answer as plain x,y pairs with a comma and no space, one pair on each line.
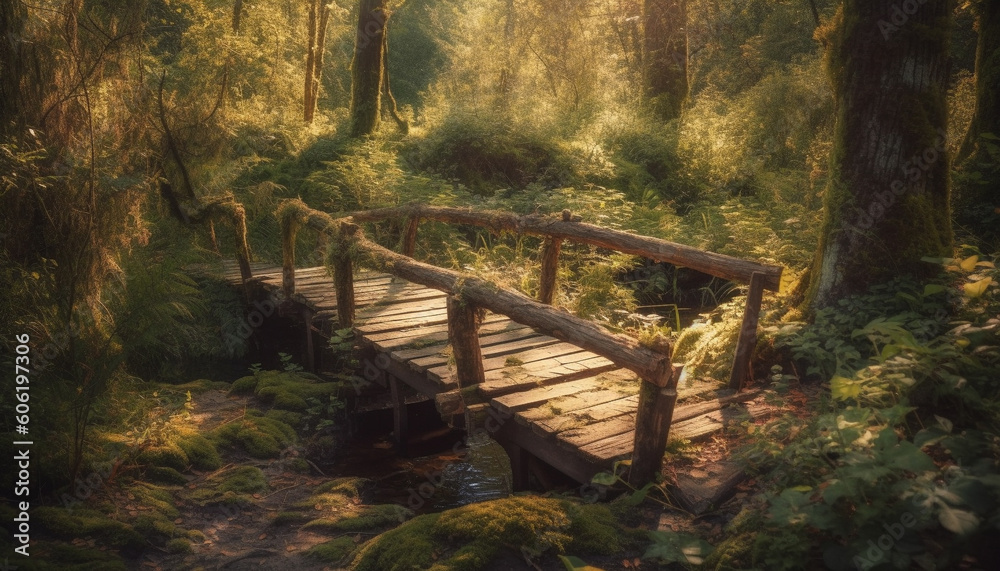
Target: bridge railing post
410,236
748,333
343,275
652,426
550,269
289,229
463,333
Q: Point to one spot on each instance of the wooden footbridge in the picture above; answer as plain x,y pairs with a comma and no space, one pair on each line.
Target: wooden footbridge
545,384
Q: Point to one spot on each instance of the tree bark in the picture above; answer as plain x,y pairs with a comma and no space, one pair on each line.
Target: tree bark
310,60
977,198
664,56
987,116
886,205
319,21
367,69
390,105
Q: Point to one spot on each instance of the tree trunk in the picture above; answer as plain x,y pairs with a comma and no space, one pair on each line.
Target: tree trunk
14,67
390,101
986,118
664,56
886,205
319,21
977,198
367,69
308,107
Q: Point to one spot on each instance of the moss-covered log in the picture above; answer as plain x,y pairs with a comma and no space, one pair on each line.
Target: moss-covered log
224,209
664,56
368,67
887,203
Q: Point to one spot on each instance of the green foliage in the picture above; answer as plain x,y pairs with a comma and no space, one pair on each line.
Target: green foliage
670,547
486,153
906,391
333,551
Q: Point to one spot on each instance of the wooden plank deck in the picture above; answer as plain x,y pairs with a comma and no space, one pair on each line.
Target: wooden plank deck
569,407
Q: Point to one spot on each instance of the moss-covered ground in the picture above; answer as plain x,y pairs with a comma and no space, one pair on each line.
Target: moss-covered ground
224,479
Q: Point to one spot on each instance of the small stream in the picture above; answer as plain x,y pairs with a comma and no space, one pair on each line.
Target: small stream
443,470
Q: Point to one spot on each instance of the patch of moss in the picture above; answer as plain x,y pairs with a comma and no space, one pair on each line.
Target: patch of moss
167,455
244,480
366,518
63,557
298,465
196,536
244,385
285,390
332,551
473,535
231,488
409,546
593,529
261,437
151,525
350,487
167,476
157,498
200,452
179,545
66,524
288,417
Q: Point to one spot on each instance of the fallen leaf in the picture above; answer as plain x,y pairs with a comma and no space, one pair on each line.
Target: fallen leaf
262,536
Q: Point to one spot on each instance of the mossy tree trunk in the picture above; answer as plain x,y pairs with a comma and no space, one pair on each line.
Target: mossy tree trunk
977,189
368,67
886,204
319,20
664,56
987,116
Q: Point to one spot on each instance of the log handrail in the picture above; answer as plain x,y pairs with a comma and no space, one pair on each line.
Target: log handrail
569,227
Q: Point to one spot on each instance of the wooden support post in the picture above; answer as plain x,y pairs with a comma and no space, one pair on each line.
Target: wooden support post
463,333
652,426
518,464
410,236
307,315
748,333
244,263
288,230
550,269
343,277
400,427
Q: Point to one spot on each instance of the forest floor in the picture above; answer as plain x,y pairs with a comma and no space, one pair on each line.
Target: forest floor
312,502
271,529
